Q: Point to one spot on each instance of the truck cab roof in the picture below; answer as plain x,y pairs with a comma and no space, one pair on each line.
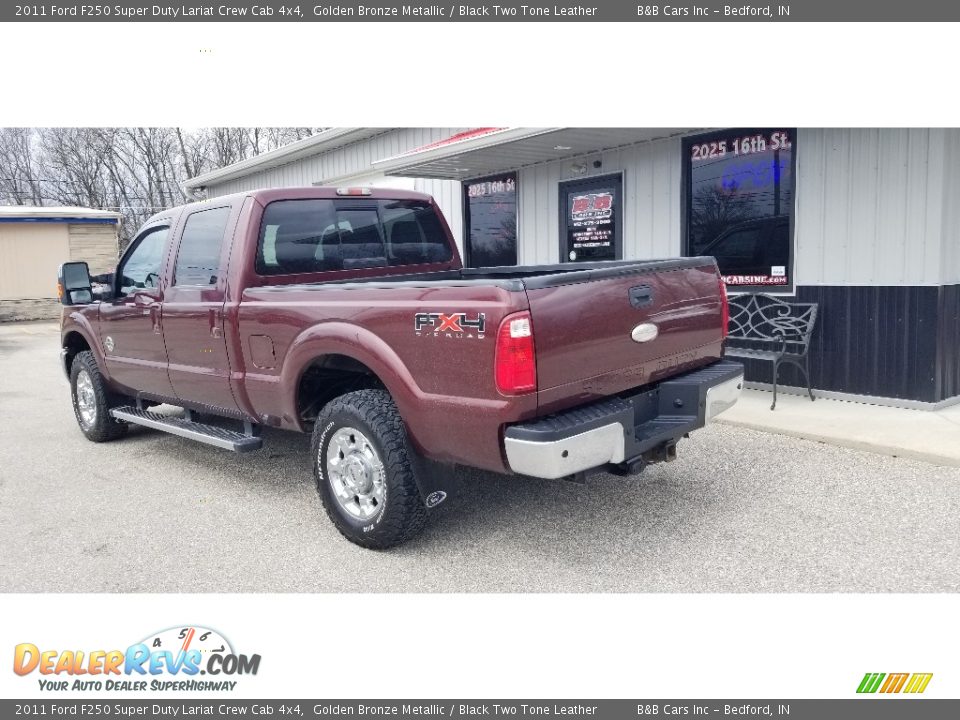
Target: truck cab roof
265,196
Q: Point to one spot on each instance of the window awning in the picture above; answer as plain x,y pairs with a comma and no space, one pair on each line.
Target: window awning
485,151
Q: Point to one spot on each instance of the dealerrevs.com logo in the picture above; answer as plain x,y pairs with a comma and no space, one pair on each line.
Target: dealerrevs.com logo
179,658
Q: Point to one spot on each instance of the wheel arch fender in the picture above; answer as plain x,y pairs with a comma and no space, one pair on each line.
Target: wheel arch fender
78,326
356,343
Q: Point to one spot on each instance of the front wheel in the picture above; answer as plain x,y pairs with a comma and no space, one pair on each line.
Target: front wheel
364,469
92,401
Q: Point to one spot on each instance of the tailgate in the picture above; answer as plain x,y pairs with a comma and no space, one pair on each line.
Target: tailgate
608,328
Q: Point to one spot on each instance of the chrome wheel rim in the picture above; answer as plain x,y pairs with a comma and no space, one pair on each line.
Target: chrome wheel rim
86,400
356,474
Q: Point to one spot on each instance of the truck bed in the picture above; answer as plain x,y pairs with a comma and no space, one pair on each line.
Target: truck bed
521,277
583,317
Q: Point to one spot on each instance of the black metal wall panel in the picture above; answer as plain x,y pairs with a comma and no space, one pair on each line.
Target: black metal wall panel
885,341
948,339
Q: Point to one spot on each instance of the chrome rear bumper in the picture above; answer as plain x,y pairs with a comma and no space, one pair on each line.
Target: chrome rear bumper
623,429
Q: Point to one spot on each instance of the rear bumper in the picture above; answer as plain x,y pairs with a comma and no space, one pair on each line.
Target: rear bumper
641,427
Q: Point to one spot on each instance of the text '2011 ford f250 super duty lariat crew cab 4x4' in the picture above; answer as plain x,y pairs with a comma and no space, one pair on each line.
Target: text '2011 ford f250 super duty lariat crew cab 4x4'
347,313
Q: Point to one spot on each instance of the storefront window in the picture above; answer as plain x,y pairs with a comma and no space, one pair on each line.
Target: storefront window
490,221
739,187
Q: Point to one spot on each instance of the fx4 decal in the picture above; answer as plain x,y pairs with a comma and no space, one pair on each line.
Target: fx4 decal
459,324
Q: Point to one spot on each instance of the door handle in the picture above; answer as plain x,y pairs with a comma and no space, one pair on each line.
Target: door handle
145,301
640,296
215,316
154,311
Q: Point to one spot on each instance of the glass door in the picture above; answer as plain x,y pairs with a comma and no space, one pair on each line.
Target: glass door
591,219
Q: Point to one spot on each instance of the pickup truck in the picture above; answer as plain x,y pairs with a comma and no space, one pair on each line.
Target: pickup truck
346,313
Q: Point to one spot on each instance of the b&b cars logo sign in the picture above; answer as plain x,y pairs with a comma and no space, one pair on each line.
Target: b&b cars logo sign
595,206
590,232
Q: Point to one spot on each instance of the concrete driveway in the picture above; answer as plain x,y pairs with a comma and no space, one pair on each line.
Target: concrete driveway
739,511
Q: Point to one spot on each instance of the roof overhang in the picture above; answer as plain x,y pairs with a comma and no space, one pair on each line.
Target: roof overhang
57,214
469,156
313,145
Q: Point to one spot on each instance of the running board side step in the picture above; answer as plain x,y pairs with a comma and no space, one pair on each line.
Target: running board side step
209,434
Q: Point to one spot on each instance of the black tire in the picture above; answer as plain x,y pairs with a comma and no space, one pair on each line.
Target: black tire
101,427
401,515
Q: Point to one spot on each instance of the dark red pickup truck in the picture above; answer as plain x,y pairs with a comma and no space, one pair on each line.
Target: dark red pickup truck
347,313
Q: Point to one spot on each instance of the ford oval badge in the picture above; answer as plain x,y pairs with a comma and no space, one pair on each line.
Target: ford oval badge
644,332
435,498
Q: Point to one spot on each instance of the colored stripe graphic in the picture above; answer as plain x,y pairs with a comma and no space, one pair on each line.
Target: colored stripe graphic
894,682
870,682
918,683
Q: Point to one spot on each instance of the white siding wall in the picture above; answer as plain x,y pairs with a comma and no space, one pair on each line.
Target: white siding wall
951,210
870,206
350,160
354,162
651,191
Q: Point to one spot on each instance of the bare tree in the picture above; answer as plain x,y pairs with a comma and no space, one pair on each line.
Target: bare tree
713,211
18,178
74,164
137,171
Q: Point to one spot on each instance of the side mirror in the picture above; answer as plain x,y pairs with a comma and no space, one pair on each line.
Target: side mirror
102,286
73,284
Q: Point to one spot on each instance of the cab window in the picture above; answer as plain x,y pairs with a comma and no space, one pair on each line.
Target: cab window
198,261
305,236
141,267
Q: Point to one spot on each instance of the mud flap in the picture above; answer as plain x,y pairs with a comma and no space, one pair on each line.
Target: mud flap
437,482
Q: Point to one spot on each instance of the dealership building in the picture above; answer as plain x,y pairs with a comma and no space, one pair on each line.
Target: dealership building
865,222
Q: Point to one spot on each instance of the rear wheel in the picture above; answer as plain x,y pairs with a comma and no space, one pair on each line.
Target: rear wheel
364,469
92,401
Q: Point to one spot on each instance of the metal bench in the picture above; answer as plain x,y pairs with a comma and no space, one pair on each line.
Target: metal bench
763,327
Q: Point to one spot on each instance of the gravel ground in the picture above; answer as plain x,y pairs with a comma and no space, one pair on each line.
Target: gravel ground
739,511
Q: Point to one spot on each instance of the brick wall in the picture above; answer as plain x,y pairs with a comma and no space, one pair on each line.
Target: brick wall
41,309
97,244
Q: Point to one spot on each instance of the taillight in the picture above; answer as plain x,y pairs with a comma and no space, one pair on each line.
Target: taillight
724,308
516,359
350,191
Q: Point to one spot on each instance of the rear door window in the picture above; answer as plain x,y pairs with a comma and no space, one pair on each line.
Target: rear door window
304,236
361,241
198,261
